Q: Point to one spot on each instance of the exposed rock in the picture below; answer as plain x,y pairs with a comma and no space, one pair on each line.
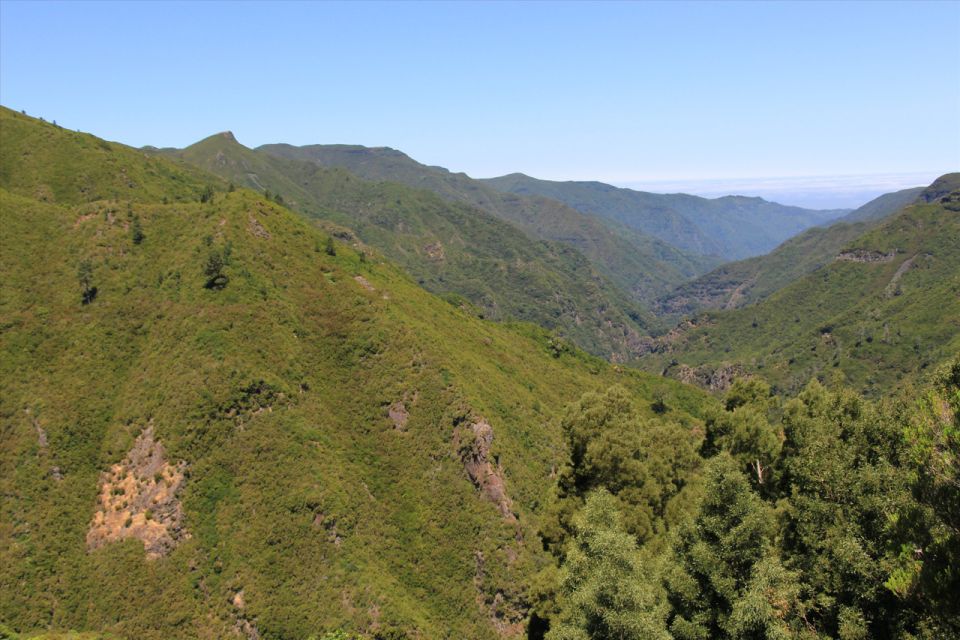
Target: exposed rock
435,251
892,289
865,255
398,415
712,379
363,282
257,229
321,521
473,444
139,499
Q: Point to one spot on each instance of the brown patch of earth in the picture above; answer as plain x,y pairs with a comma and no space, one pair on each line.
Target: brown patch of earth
139,499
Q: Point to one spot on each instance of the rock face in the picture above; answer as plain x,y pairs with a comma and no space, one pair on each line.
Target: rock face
139,499
473,443
864,255
712,379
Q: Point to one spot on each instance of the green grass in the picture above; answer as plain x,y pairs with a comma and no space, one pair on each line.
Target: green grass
292,329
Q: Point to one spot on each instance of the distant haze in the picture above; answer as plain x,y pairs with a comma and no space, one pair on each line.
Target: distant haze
813,192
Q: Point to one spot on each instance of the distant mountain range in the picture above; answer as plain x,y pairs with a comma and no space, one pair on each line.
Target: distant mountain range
451,248
637,262
731,227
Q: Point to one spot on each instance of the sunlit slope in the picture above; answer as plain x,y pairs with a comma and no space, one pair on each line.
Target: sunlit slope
885,308
327,445
636,262
737,284
451,249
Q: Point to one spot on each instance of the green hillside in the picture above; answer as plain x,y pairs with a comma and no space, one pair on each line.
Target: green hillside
884,205
731,227
885,308
451,249
213,428
636,262
737,284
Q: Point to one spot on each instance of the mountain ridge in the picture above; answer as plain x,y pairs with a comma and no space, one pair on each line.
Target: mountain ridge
638,263
702,225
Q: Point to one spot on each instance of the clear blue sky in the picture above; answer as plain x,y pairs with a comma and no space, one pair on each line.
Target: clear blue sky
621,92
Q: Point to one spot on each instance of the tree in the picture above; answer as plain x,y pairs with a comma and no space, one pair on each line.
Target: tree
330,248
136,230
645,463
207,194
743,429
213,270
85,277
603,592
844,486
717,553
928,567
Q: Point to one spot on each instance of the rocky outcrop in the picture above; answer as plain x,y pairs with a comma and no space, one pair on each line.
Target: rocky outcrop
865,255
435,251
712,379
139,498
473,443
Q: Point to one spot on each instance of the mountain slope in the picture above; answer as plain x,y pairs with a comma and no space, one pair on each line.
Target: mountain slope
740,283
451,249
884,205
732,227
885,308
634,261
211,430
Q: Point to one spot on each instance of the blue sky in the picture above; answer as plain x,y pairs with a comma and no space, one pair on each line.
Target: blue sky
631,93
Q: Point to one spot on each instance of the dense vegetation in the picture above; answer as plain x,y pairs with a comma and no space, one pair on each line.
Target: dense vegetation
737,284
635,261
825,516
732,227
452,249
219,419
885,309
326,412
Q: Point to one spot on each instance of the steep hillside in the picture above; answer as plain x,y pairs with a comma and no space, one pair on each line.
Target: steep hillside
636,262
738,284
732,227
883,206
886,307
451,249
211,429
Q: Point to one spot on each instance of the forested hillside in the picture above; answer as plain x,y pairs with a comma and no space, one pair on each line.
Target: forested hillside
636,262
451,249
731,227
215,427
221,421
737,284
886,308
